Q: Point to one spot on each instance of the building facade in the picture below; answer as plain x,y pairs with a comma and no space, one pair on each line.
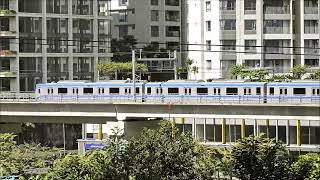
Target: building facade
50,40
267,33
157,22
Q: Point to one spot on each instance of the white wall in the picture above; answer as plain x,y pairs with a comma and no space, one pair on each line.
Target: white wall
198,34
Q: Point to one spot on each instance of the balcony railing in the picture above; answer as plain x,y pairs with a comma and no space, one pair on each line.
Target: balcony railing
8,12
173,33
277,50
277,10
311,10
8,74
7,33
7,53
277,30
312,51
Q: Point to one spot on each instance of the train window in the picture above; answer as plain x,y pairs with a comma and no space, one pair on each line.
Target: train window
232,91
137,90
173,91
299,91
62,90
187,91
271,91
75,91
202,91
87,90
149,90
258,91
216,91
101,90
159,91
114,90
283,91
127,91
315,92
247,91
50,90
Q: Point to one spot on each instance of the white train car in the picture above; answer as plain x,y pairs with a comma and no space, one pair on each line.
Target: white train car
83,90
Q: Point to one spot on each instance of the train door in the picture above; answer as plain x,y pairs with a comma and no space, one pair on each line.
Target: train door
187,91
75,91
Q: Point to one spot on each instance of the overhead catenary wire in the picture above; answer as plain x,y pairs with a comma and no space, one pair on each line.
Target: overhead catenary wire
186,51
83,39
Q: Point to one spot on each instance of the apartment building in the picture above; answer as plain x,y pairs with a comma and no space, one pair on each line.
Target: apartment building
257,33
158,22
50,40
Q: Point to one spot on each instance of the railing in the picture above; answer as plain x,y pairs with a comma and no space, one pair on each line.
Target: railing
277,10
179,99
277,30
310,10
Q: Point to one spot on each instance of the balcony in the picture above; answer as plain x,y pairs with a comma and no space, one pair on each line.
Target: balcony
276,10
310,10
8,12
8,74
7,33
7,53
172,33
276,30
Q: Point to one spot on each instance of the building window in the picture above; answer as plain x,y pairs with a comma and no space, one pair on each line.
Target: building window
250,45
154,2
227,4
250,5
208,6
208,45
123,16
172,3
208,64
154,15
173,16
123,2
228,45
250,26
228,24
123,31
154,31
208,25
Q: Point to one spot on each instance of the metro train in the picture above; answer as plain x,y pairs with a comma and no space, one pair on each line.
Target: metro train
181,91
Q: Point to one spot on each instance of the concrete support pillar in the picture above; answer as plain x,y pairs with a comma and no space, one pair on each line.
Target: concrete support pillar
243,129
267,127
70,42
100,135
298,133
223,131
44,62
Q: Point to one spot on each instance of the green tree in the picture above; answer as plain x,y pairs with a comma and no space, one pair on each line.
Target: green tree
315,75
115,68
17,159
237,70
122,48
259,158
306,167
163,154
298,71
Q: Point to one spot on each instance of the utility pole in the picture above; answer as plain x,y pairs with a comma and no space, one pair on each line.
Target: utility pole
134,74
